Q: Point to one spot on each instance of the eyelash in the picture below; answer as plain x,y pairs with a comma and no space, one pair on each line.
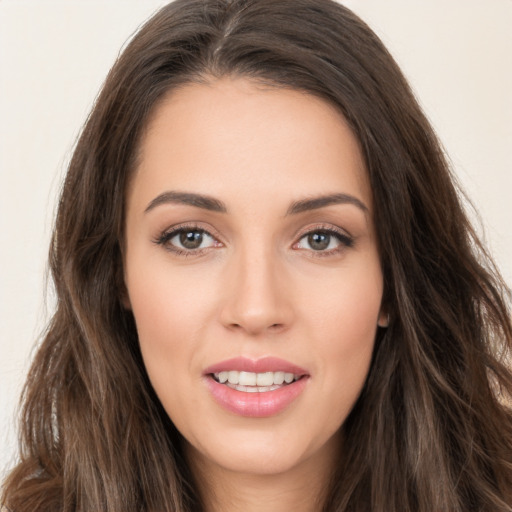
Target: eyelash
345,240
165,238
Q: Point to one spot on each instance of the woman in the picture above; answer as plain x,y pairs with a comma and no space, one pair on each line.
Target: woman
269,294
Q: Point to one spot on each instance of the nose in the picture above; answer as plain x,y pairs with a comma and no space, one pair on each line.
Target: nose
258,298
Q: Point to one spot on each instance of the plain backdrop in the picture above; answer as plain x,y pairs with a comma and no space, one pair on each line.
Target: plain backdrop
54,56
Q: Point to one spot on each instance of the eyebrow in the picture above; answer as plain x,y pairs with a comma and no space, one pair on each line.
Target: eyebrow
212,204
315,203
187,198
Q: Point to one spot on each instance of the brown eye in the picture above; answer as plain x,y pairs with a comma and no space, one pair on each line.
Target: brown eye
187,240
191,239
324,241
319,241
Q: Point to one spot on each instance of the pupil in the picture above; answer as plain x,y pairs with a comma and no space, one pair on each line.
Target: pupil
319,241
191,239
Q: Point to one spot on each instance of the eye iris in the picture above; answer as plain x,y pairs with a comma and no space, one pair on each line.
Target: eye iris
319,241
191,239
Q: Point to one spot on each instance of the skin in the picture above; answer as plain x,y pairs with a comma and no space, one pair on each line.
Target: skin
255,287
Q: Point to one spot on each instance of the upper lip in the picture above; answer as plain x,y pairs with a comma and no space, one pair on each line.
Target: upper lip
265,364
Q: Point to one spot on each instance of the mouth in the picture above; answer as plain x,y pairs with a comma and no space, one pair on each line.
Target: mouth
256,388
251,382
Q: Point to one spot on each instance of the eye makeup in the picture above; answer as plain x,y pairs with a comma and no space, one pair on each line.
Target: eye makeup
324,240
187,240
192,239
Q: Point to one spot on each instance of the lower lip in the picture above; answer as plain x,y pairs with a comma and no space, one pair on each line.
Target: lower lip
255,405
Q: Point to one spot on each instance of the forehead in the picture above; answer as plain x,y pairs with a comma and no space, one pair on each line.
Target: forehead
236,135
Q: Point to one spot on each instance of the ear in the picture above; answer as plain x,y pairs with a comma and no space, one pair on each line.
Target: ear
383,320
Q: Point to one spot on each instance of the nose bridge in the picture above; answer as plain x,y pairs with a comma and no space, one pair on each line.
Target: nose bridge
256,296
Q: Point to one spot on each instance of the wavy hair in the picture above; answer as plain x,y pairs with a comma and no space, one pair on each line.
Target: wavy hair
431,430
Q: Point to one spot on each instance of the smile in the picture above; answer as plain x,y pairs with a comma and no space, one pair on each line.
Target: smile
250,382
257,388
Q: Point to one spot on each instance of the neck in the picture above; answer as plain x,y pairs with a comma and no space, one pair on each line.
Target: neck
301,489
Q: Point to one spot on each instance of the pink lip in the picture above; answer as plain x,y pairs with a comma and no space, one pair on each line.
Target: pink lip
259,404
265,364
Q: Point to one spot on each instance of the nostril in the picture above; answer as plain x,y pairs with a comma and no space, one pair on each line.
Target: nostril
272,328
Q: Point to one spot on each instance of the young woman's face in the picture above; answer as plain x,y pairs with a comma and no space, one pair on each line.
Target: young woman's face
251,256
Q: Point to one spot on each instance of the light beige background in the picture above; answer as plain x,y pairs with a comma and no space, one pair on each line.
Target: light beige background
54,56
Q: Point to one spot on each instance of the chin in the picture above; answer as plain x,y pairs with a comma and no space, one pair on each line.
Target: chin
263,451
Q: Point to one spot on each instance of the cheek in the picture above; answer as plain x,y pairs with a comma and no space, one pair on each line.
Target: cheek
171,311
345,307
343,324
170,316
164,295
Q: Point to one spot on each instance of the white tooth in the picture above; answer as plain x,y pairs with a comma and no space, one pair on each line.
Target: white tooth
253,389
233,377
265,379
247,379
278,378
222,377
288,377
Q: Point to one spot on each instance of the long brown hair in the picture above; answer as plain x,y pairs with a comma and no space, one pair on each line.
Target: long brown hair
430,431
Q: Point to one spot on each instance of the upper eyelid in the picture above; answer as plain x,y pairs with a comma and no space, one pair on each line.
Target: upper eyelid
192,226
171,231
345,239
331,228
164,238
